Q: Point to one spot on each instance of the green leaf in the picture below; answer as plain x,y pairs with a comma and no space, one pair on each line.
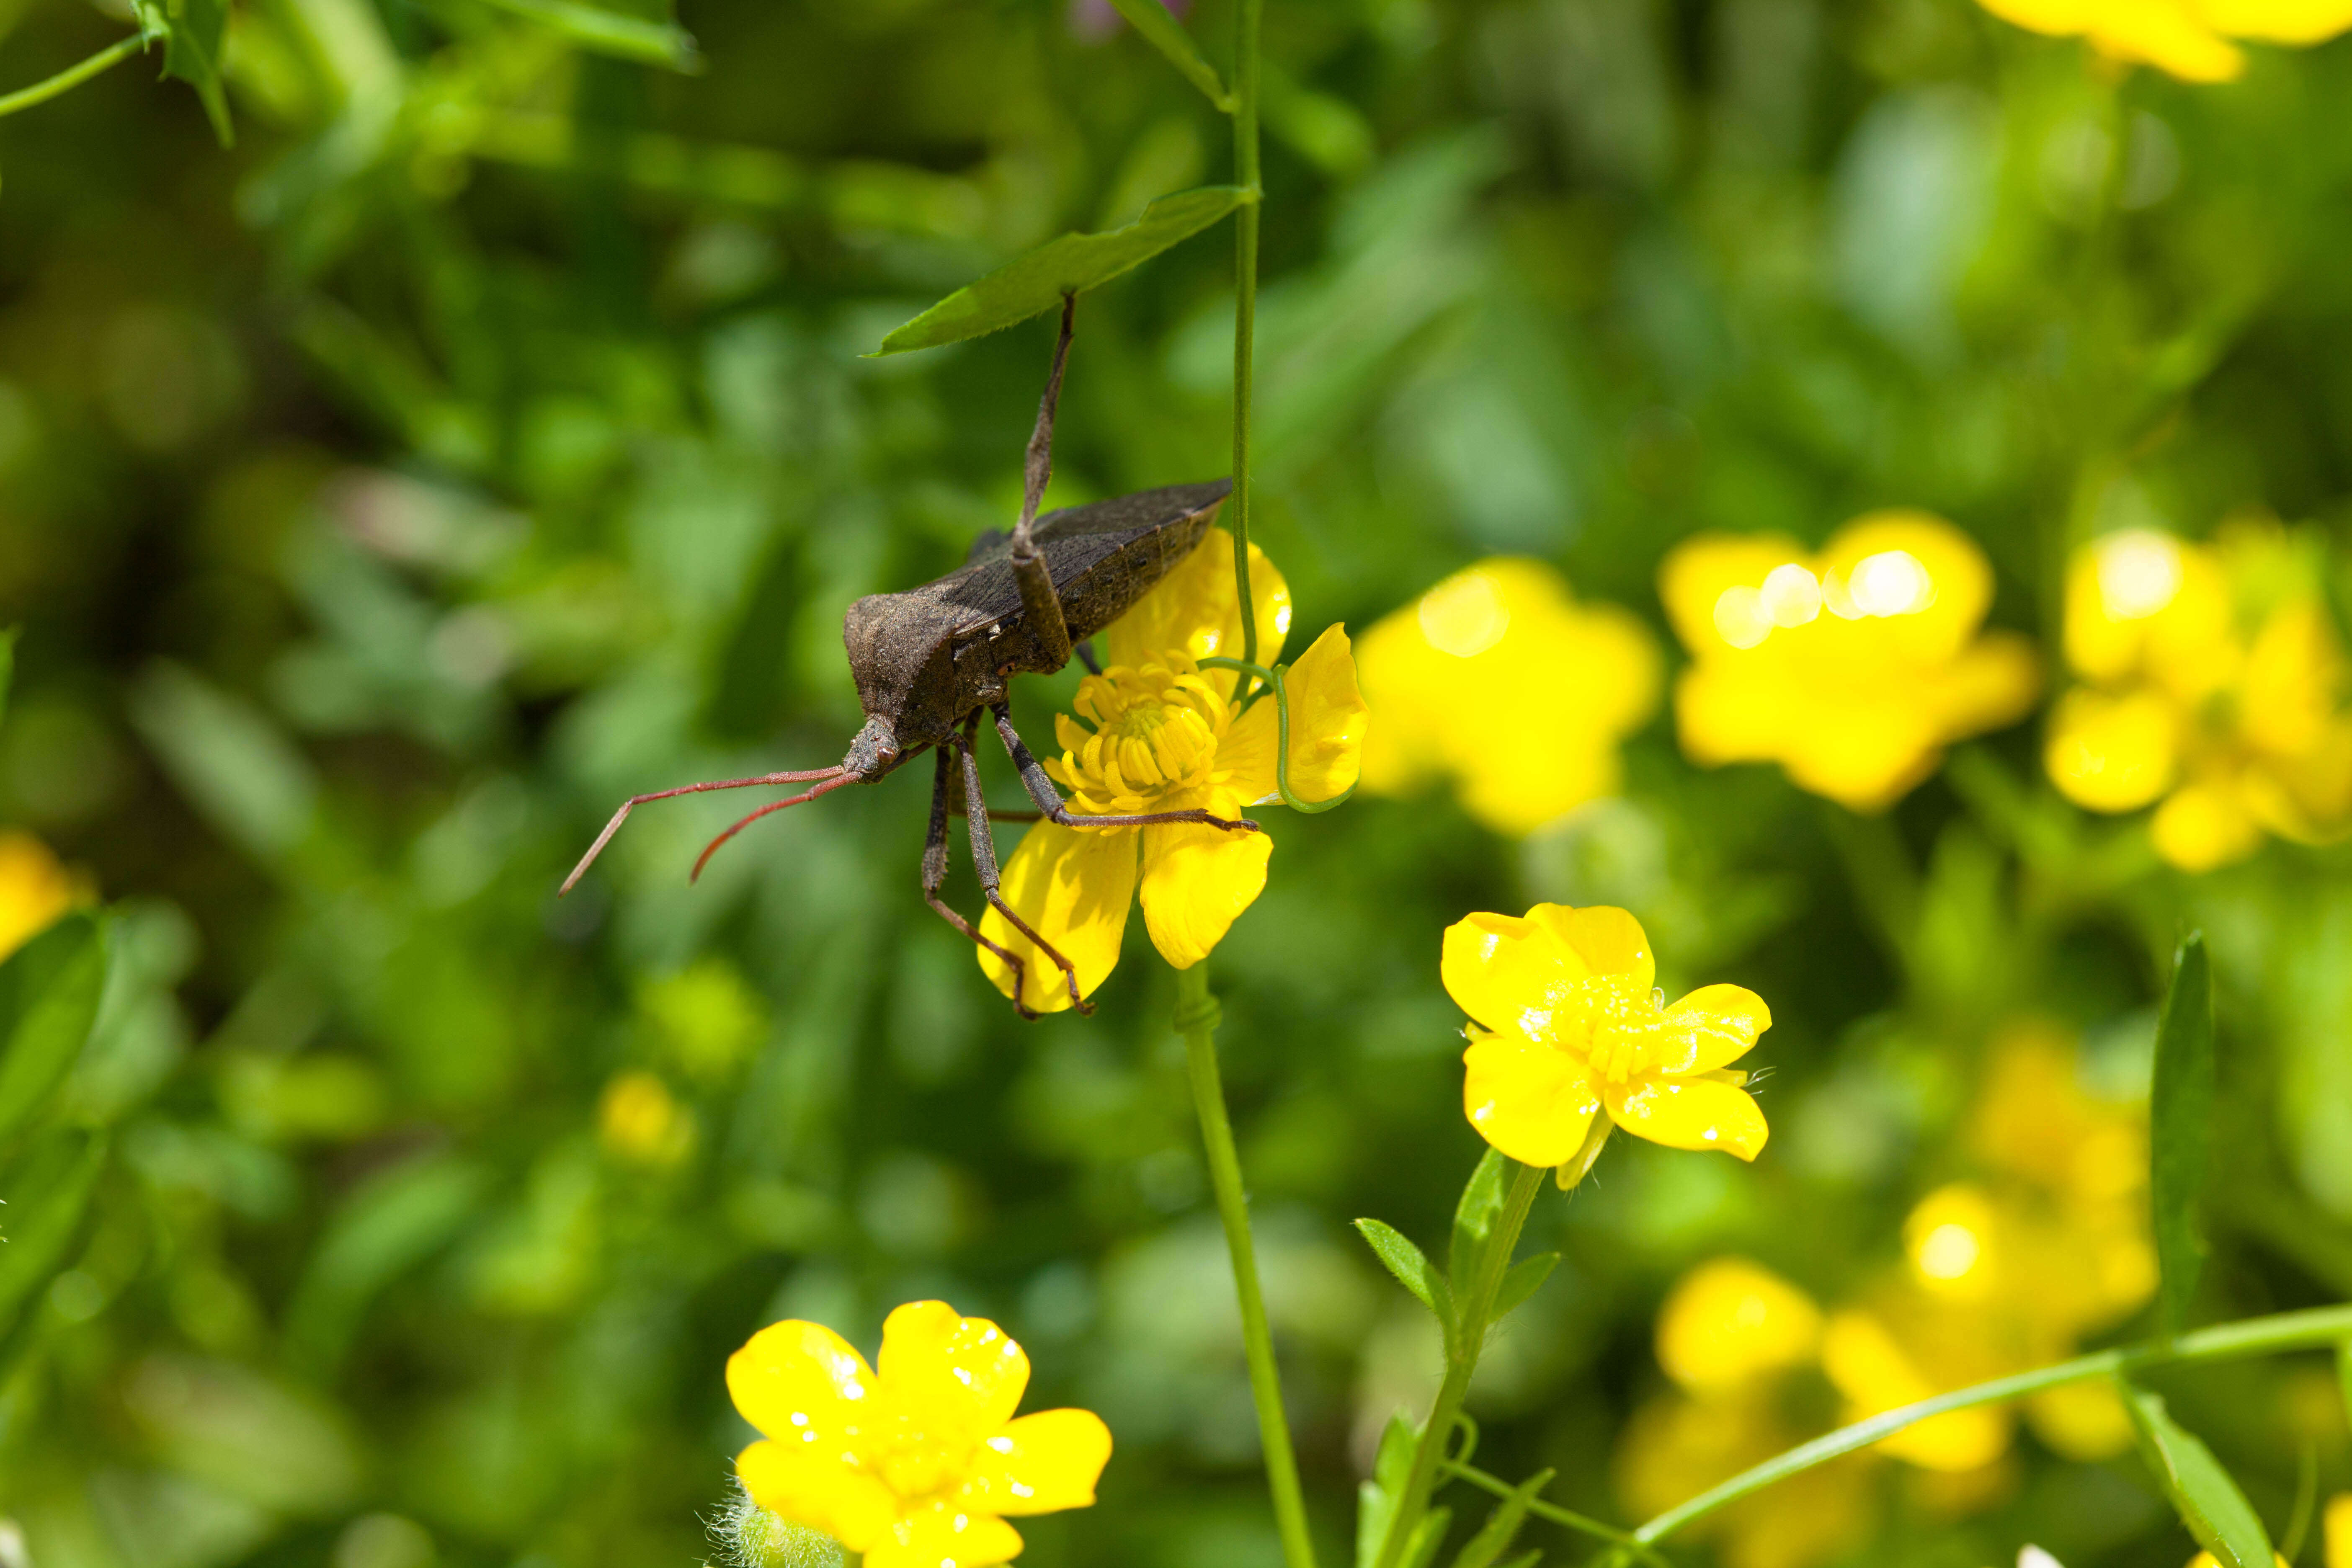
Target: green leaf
389,1226
1377,1499
1494,1537
1072,264
2179,1117
2209,1503
49,990
7,664
615,33
1473,1219
1412,1267
195,32
1164,33
1427,1537
46,1194
2343,1374
1526,1278
1529,1561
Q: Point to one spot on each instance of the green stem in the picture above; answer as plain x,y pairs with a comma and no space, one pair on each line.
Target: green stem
72,77
2315,1329
1246,15
1462,1360
1582,1523
1196,1020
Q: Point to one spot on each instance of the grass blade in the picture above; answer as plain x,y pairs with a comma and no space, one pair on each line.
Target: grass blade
2180,1121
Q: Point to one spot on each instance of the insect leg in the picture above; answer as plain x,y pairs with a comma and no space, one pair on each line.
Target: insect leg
1049,799
935,875
1042,606
984,858
1085,652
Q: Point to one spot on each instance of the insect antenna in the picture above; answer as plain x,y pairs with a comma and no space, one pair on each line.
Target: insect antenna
843,777
835,772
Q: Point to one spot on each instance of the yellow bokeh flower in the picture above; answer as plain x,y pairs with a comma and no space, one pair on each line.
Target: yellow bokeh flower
1499,680
918,1461
2214,689
1731,1323
1567,1024
1156,733
2188,38
638,1120
1852,669
34,890
2339,1529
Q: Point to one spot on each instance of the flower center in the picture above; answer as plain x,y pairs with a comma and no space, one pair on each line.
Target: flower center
915,1457
1157,730
1615,1023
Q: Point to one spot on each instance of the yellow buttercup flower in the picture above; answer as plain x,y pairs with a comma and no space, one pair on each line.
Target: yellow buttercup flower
1499,680
2214,689
2189,38
918,1461
1567,1025
34,890
1852,669
1731,1323
1156,733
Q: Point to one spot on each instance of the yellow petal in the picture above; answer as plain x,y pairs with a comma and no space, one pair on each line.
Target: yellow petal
1245,756
2339,1530
1711,1027
1606,940
1529,1100
2162,33
1698,573
1875,1374
1039,1464
795,1378
1197,881
2277,21
949,1366
1195,610
1508,971
942,1535
1688,1113
1328,719
2059,17
1731,1323
2111,754
2204,827
1949,579
1074,887
817,1487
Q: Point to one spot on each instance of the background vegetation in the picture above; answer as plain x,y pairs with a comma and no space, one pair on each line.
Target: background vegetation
483,439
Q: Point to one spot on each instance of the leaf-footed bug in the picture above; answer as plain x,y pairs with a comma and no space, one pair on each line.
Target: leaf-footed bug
929,661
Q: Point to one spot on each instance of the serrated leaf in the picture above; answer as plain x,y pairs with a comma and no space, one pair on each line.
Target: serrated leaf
1034,283
2209,1503
2180,1105
1475,1215
1376,1498
1494,1537
47,1193
1526,1278
615,33
195,32
1410,1266
49,990
1151,19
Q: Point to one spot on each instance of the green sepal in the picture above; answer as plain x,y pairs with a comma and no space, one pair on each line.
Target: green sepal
1038,282
2208,1501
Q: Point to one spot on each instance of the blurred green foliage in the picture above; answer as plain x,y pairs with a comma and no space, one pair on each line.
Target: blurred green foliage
485,438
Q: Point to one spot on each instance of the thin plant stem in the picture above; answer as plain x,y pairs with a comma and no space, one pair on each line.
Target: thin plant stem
73,76
1461,1362
1196,1020
2317,1328
1246,16
1584,1524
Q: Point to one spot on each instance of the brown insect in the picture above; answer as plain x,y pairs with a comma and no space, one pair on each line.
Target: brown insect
930,661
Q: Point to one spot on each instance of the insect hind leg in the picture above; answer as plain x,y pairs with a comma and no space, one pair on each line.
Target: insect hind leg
983,856
935,876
